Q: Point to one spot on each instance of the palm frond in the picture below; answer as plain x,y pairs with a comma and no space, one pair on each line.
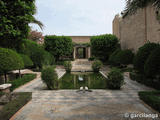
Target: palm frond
39,23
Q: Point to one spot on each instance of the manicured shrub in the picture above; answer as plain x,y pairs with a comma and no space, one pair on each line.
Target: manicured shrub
102,46
68,66
9,60
96,65
113,58
27,61
91,58
142,55
125,57
151,98
16,104
115,79
49,59
58,46
49,77
38,55
152,65
21,81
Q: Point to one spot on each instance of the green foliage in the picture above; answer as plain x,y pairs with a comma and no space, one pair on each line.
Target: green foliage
91,58
68,66
152,65
59,46
115,79
152,98
142,55
37,54
14,20
13,106
1,93
113,57
9,60
49,77
124,57
96,65
26,60
102,46
21,81
141,78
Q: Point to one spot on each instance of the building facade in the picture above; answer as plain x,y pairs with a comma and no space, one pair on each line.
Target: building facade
135,30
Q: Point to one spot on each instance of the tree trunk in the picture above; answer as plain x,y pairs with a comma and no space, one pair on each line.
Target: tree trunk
5,78
19,73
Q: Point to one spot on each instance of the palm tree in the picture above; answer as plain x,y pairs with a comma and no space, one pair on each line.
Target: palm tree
133,5
39,23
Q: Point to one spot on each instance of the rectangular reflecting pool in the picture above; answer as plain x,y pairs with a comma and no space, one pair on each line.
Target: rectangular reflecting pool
75,80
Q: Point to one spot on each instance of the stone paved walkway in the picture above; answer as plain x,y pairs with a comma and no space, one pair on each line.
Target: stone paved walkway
95,105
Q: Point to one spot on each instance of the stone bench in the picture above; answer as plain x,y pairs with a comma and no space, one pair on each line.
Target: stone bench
5,88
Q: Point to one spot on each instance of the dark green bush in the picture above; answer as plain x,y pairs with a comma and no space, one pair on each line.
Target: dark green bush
68,66
49,77
96,65
142,55
125,57
152,65
38,55
115,79
152,98
21,81
9,60
102,46
141,78
91,58
13,106
58,46
27,61
113,57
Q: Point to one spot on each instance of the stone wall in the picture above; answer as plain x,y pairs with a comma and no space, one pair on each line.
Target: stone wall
81,39
135,30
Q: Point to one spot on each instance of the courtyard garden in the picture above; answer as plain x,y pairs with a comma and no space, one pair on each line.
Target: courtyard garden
46,80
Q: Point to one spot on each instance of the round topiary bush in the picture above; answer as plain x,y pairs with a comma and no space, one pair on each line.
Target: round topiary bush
96,65
68,66
115,79
49,77
142,55
27,61
9,60
125,57
152,65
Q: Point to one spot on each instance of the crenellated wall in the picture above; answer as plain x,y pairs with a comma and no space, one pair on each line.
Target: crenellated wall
135,30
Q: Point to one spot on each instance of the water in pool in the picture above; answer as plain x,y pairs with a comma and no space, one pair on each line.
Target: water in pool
76,80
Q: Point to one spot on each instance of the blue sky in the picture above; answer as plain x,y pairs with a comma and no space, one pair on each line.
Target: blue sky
77,17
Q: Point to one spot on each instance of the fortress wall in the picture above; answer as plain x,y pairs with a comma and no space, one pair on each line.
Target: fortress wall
137,29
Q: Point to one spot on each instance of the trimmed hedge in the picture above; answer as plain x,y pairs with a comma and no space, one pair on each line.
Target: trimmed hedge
96,65
102,46
68,66
115,79
142,55
58,46
27,61
50,77
152,98
21,81
113,57
13,106
141,78
152,65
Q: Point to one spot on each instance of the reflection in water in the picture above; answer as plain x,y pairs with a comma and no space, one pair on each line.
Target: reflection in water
77,80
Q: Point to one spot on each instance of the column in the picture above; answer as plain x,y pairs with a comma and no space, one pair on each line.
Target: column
89,52
74,53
